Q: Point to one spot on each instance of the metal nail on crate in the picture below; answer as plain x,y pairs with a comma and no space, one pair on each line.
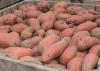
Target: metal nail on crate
11,64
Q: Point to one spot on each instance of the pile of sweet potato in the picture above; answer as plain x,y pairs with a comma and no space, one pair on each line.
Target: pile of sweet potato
57,35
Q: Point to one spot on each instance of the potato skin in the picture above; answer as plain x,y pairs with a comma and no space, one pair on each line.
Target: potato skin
95,49
56,49
68,54
91,41
77,35
60,25
47,41
18,52
86,26
27,33
68,32
89,62
35,23
95,32
32,14
27,7
47,20
18,27
76,19
75,64
43,6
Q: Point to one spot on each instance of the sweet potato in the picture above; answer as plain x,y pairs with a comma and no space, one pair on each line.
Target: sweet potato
47,19
1,20
95,49
27,33
32,14
15,39
19,20
47,41
90,61
82,12
34,23
56,49
75,64
74,9
68,54
86,26
78,35
92,11
68,32
40,32
76,19
18,52
7,39
31,42
96,32
27,7
98,22
60,25
18,27
63,16
19,13
89,17
9,19
87,42
52,31
5,29
43,6
30,59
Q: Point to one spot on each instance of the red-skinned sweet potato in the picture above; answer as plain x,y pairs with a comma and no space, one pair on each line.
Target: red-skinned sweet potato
43,6
32,42
90,61
60,25
95,49
27,33
47,19
87,42
76,19
56,49
18,27
68,32
5,28
48,41
32,14
18,52
86,26
96,32
35,23
78,35
68,54
40,32
75,64
19,13
27,7
98,22
52,31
